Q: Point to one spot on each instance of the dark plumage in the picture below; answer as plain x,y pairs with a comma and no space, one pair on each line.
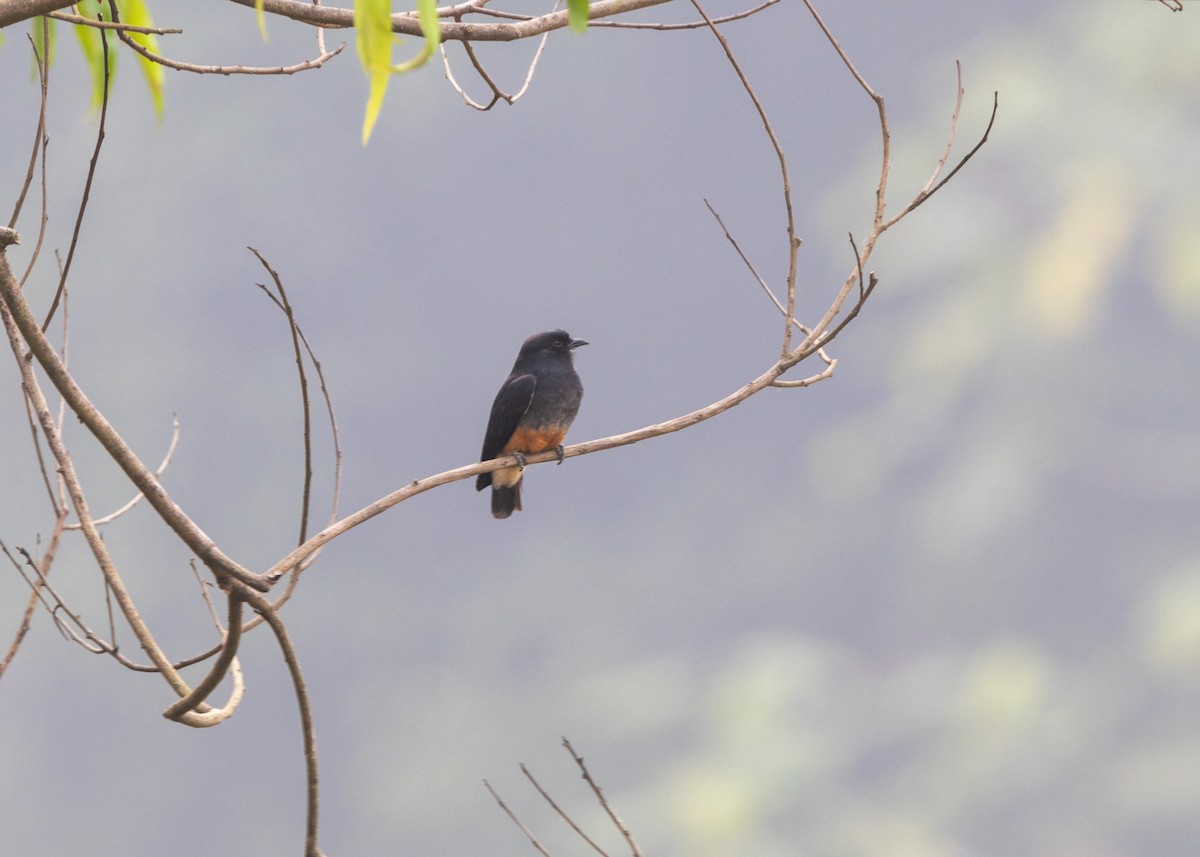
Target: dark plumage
531,413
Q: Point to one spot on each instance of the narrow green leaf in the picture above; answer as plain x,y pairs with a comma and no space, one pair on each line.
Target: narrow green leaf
93,52
577,14
428,18
135,12
262,19
373,37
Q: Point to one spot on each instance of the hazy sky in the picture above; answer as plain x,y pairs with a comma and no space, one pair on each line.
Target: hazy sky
945,603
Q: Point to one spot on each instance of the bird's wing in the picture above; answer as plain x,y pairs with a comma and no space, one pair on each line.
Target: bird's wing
511,403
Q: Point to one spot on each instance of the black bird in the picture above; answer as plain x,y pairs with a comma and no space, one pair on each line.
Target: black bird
532,412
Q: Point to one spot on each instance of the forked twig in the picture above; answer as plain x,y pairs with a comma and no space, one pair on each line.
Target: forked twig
498,94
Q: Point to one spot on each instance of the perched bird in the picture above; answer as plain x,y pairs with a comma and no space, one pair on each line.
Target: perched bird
532,412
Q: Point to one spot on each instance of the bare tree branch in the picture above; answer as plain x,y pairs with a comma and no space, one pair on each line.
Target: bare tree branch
793,241
528,833
159,471
229,647
42,139
113,25
220,69
498,94
691,25
87,185
562,813
34,596
307,729
67,471
612,814
195,538
406,22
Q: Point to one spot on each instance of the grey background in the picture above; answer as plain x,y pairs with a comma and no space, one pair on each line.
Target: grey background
946,603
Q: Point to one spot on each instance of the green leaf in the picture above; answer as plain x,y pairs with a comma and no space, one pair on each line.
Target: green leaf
428,18
373,25
135,12
373,20
262,19
577,14
93,51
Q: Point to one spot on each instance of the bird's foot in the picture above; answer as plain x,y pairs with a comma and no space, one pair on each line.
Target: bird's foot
520,457
558,450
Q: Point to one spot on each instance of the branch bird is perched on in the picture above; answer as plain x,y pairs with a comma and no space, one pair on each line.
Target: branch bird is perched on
532,412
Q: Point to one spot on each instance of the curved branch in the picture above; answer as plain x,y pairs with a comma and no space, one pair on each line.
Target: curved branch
150,55
213,716
70,479
308,732
229,647
112,516
420,486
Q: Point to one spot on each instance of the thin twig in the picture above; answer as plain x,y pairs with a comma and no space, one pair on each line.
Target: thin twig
561,813
958,99
599,792
691,25
111,25
30,606
528,833
923,194
43,75
87,185
159,471
305,405
223,69
120,452
498,94
43,67
66,468
750,265
793,241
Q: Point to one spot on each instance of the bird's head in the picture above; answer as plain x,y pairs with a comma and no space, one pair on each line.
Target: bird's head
550,342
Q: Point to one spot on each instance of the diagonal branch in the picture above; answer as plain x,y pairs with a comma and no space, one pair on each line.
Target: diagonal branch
420,486
599,792
541,849
120,452
561,812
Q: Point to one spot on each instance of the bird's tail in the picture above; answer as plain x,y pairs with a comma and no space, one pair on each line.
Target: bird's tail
505,501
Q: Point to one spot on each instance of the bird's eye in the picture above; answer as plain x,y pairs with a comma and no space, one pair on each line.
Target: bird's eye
559,344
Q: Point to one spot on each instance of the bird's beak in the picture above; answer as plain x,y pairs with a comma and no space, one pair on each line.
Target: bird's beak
575,343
